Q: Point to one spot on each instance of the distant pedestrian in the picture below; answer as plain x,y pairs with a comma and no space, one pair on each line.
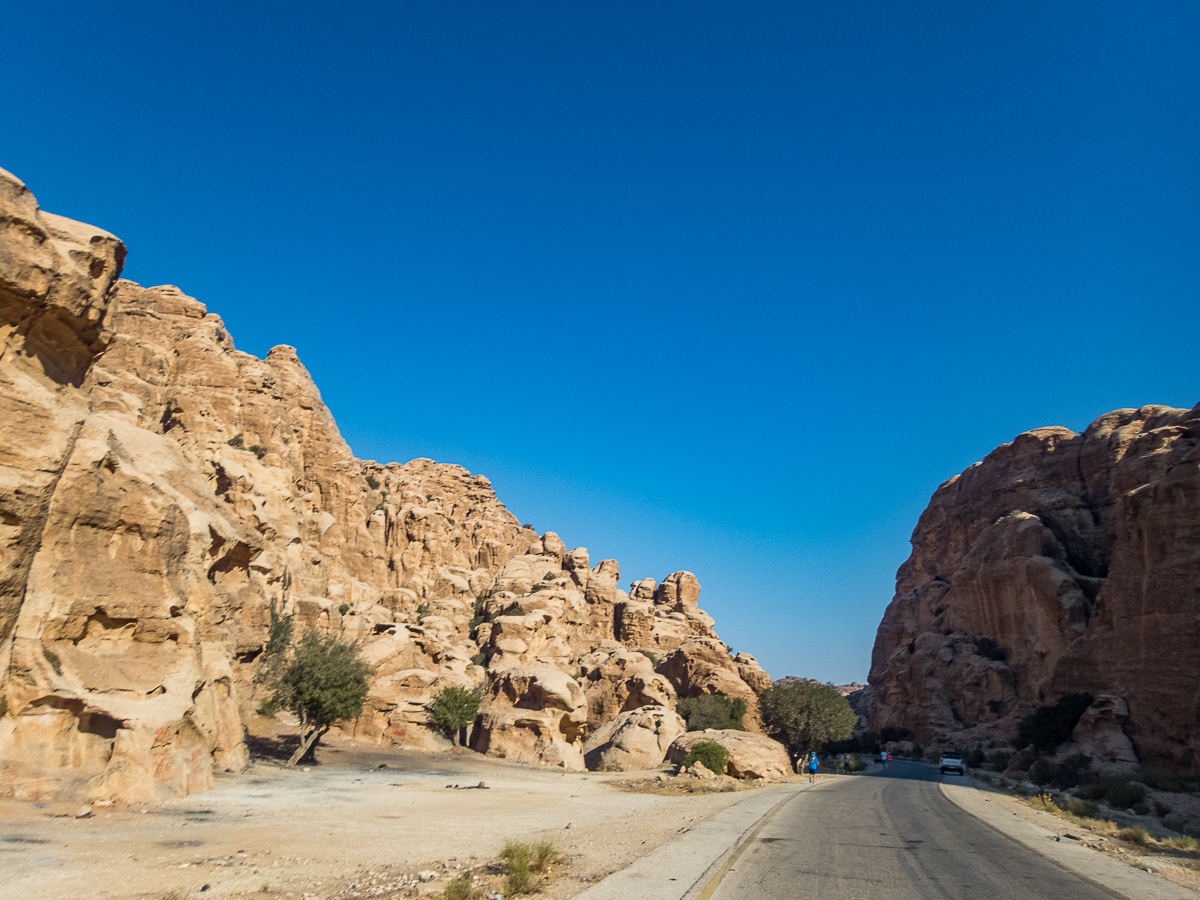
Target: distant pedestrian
810,763
845,763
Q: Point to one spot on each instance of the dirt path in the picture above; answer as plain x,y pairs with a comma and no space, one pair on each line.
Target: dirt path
361,824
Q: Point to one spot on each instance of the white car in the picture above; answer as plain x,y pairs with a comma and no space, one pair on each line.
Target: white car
953,762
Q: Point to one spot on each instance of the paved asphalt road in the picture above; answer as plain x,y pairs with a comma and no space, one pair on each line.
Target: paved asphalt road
891,835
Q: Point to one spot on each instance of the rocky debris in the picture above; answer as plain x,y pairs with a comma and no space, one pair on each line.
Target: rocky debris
1062,563
161,491
750,755
637,739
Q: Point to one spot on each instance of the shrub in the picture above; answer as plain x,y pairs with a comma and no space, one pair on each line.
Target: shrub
462,888
710,754
1161,780
453,708
268,707
343,608
258,450
372,482
522,861
1124,794
1175,823
712,711
549,576
1086,809
804,715
479,659
1135,834
857,765
237,442
1041,772
650,656
1048,726
422,612
1093,790
1184,842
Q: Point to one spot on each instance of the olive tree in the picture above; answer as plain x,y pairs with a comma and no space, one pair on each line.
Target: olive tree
323,682
803,715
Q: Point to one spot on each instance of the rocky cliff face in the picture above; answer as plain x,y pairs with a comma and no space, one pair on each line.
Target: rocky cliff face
160,490
1062,563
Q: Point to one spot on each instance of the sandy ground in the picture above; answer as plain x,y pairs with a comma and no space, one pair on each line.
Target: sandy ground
360,824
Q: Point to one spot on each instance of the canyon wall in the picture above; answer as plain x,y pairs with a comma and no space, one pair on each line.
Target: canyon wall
161,492
1062,563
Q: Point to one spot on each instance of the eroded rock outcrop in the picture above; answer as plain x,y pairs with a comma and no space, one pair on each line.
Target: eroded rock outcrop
161,491
1062,563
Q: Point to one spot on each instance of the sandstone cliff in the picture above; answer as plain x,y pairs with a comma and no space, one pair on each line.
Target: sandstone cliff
1062,563
160,490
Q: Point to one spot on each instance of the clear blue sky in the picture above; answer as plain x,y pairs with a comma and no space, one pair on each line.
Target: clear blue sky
727,287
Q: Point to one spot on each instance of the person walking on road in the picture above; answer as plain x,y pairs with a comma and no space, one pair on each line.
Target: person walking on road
845,763
810,764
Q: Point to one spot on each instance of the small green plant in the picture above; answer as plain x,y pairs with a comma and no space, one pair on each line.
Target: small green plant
237,442
1161,780
372,482
258,450
53,659
710,754
462,888
1184,842
422,612
515,610
1124,794
1085,809
453,708
1135,834
522,862
549,576
650,656
268,707
343,608
479,659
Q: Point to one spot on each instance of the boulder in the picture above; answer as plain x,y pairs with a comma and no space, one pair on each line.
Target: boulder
750,755
532,714
637,739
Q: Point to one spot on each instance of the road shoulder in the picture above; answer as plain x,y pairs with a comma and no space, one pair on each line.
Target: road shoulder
681,868
997,809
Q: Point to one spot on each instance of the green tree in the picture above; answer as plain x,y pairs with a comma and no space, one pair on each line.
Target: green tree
806,714
711,711
324,682
453,708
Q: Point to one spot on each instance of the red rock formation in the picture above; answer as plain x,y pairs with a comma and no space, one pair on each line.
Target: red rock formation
160,490
1062,563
